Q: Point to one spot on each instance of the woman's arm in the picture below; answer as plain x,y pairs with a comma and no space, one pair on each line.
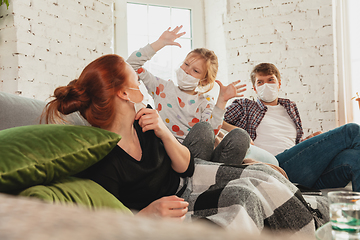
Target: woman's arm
149,119
171,206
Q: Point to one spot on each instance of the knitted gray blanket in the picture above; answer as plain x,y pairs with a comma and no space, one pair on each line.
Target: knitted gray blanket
250,198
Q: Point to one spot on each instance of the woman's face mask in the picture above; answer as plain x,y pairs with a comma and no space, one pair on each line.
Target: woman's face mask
138,105
268,92
186,81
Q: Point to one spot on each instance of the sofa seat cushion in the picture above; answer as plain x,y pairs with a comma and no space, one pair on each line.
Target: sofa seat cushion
40,154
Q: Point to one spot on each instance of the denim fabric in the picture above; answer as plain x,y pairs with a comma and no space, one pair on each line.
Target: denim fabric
231,150
331,159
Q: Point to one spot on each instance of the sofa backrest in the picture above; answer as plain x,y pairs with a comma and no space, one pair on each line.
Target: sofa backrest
18,111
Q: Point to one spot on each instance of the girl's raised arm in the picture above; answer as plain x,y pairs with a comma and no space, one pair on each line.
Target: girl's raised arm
168,38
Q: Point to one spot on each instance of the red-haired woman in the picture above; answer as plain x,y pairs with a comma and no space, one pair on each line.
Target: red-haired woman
151,172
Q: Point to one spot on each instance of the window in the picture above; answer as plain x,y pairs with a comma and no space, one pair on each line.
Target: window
139,22
353,9
348,60
145,23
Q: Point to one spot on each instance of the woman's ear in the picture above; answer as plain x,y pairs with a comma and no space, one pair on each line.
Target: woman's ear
124,95
279,83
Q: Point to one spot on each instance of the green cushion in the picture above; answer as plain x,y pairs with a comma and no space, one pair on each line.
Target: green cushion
76,190
39,154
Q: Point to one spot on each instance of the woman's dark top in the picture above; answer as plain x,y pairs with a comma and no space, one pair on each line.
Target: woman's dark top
138,183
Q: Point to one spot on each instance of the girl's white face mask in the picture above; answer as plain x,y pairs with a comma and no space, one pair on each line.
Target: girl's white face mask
186,81
268,92
202,89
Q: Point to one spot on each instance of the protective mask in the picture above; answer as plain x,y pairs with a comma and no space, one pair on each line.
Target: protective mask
186,81
202,89
268,92
139,105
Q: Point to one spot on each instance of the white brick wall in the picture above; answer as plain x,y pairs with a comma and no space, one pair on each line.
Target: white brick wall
47,43
8,58
297,36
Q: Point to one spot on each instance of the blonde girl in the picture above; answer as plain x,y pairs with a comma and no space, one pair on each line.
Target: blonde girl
183,105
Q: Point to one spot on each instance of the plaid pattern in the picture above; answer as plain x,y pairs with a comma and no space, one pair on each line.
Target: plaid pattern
249,198
247,114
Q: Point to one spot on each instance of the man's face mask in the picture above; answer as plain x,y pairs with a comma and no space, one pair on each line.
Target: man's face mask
268,92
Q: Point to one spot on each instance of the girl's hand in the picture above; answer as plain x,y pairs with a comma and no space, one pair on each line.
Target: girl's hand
171,206
168,38
230,91
149,119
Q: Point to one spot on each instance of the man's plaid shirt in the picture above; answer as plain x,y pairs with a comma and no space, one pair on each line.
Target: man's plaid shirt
247,114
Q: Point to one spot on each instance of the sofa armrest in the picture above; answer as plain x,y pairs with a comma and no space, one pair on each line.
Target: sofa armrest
18,111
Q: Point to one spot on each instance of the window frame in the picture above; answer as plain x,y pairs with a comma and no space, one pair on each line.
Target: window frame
342,63
120,42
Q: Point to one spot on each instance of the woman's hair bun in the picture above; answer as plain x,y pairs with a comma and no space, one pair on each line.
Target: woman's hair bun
70,98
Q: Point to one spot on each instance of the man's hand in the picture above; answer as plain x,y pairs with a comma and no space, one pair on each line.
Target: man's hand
313,135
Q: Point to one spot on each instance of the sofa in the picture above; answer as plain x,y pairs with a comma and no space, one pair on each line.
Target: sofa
48,155
40,198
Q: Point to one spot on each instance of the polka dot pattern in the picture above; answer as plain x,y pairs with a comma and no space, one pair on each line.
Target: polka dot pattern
193,122
181,103
140,70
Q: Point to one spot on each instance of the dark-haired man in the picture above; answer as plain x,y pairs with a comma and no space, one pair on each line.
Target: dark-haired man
326,160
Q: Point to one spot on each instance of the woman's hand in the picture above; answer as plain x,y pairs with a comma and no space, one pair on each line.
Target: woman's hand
168,38
171,206
149,119
230,91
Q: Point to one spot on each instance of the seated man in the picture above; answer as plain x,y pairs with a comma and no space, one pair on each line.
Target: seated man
325,160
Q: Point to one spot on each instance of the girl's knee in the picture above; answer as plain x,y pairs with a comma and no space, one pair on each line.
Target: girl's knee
203,126
201,131
239,135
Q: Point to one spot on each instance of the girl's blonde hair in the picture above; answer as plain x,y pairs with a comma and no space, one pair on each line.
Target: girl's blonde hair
211,64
